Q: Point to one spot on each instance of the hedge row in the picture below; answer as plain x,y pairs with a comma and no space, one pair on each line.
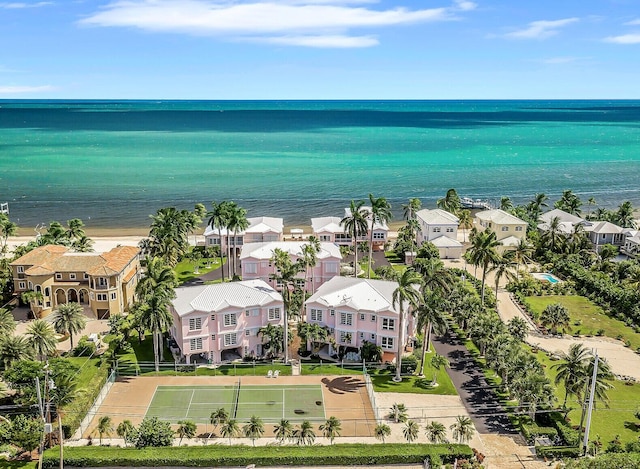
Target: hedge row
607,461
557,452
218,455
531,431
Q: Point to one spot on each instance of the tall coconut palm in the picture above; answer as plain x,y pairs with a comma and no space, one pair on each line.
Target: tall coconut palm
553,236
355,224
502,267
14,348
42,338
535,206
230,429
69,319
624,215
7,228
75,230
218,417
572,370
331,428
186,429
7,322
410,431
506,204
463,429
274,336
590,203
482,253
438,362
522,254
410,209
431,315
283,431
157,318
218,219
158,276
304,434
382,431
406,294
238,223
254,429
465,221
310,251
569,202
436,432
380,215
450,202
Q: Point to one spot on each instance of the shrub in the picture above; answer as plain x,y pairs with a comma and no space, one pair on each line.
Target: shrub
85,348
558,452
153,432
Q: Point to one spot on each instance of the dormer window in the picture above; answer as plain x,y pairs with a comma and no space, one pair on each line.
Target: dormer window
58,276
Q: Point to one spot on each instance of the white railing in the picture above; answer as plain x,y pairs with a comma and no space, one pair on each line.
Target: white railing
86,421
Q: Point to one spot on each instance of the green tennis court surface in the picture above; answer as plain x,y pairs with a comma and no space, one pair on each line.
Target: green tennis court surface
271,403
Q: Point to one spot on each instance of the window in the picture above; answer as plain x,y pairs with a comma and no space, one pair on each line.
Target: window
72,276
373,337
325,238
22,285
21,269
436,229
316,315
30,285
362,335
250,268
346,319
196,344
213,337
449,230
195,324
230,339
332,312
373,318
274,313
58,276
518,228
279,284
102,297
388,324
504,228
378,235
113,295
300,282
230,319
213,317
215,241
362,316
247,332
47,292
91,295
386,342
345,337
331,267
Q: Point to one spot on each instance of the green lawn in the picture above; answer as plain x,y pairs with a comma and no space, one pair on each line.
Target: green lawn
184,269
329,369
383,382
609,421
140,352
586,318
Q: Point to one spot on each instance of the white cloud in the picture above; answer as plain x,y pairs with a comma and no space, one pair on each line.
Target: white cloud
20,5
24,89
312,23
624,39
541,29
635,22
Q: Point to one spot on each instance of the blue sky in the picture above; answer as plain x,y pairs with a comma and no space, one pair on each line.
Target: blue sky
320,49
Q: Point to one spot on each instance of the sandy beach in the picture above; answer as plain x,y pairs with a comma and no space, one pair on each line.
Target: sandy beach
100,243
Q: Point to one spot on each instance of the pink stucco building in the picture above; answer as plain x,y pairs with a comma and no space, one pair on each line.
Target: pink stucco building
329,229
256,262
220,322
357,310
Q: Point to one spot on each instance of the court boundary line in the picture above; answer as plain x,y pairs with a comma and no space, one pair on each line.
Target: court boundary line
189,406
149,404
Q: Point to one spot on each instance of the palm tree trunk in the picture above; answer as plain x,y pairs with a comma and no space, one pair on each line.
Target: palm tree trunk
71,339
370,249
355,253
155,351
221,260
425,346
398,376
484,274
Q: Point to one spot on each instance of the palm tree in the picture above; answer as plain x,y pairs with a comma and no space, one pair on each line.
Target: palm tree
450,202
382,431
436,432
219,218
124,430
283,431
7,228
83,244
410,431
463,429
431,316
569,202
572,370
14,348
7,322
590,203
506,204
158,276
502,267
186,429
238,223
355,225
157,318
437,362
331,428
553,236
410,209
535,206
518,328
253,429
465,222
483,252
69,319
398,413
310,252
304,434
274,336
42,338
407,293
230,429
105,427
555,316
380,215
218,417
522,254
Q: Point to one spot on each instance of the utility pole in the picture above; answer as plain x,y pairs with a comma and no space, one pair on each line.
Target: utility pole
590,409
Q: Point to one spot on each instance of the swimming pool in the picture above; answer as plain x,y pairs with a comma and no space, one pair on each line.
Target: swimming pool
547,277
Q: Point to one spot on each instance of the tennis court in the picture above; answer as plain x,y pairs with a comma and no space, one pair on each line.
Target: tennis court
272,403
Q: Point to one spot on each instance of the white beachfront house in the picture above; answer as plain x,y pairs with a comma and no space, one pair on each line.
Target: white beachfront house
567,222
261,229
509,229
255,259
440,228
356,310
220,322
632,242
329,229
604,232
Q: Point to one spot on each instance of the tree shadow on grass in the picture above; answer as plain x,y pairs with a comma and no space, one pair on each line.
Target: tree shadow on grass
633,426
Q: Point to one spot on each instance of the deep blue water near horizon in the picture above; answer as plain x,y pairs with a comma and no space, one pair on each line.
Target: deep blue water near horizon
112,163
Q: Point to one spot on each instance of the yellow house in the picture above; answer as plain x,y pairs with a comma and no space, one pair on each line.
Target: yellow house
105,283
509,229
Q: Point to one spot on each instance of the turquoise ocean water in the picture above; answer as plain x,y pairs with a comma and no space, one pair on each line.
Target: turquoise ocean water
112,163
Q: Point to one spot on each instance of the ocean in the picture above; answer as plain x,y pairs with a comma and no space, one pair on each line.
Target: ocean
113,163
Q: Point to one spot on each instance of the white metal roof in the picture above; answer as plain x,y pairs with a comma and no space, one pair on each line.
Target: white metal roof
356,293
500,217
256,225
604,227
216,297
561,215
446,242
437,217
294,248
327,224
